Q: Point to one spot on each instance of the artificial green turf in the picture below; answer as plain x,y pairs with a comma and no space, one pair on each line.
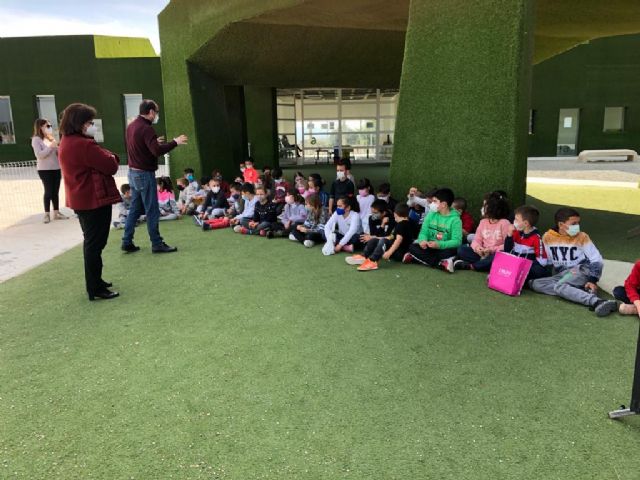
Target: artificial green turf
242,358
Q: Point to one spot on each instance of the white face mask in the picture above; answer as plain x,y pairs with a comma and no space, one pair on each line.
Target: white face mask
157,119
518,226
91,131
260,198
48,130
340,175
215,189
433,207
573,230
482,211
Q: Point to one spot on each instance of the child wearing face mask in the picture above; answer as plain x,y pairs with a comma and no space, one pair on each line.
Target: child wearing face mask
489,239
265,216
279,182
440,235
389,247
344,227
241,220
365,198
468,223
293,214
316,187
577,265
312,230
185,198
189,175
250,174
524,240
384,193
380,222
215,203
341,186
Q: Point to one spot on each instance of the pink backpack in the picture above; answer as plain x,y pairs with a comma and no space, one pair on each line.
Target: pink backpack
508,273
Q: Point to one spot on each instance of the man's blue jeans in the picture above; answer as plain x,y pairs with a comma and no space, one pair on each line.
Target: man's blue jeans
144,200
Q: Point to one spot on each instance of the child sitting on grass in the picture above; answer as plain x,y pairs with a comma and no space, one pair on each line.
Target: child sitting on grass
365,198
577,265
312,230
185,198
384,193
629,294
293,214
344,228
391,247
242,219
524,240
468,223
380,222
440,235
489,239
265,216
166,200
215,203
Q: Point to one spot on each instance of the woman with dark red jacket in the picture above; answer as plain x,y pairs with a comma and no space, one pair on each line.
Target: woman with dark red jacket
87,170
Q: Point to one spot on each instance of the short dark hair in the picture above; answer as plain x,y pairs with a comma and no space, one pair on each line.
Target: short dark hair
147,105
250,159
497,208
444,195
565,213
342,163
248,187
402,209
276,172
529,214
74,117
317,180
461,202
236,186
380,205
385,188
266,167
124,188
365,183
351,202
204,180
188,170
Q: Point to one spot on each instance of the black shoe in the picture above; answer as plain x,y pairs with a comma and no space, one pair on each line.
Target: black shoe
164,248
270,234
605,307
104,295
106,284
205,227
130,248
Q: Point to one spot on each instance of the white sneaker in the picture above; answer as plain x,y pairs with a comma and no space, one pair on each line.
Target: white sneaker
355,259
309,243
292,237
237,228
447,264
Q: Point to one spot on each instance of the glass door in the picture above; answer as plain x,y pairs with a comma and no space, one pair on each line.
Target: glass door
568,122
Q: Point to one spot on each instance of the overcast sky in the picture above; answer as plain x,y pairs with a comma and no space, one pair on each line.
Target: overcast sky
130,18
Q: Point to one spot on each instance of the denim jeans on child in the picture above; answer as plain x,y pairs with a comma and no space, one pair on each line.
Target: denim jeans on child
569,285
144,200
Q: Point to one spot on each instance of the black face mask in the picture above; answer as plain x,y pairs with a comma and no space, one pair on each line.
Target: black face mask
180,187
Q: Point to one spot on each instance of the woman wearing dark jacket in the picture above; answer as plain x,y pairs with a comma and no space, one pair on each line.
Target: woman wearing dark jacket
87,170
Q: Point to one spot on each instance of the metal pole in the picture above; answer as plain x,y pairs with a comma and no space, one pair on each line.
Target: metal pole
635,391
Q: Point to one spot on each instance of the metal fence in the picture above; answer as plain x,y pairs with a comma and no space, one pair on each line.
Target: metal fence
22,192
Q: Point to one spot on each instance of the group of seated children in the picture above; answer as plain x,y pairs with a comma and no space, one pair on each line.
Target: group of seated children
433,229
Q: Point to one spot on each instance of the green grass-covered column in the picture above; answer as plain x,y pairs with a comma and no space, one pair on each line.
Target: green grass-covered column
464,97
262,130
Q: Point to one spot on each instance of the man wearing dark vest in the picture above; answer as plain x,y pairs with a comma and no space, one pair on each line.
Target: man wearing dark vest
143,149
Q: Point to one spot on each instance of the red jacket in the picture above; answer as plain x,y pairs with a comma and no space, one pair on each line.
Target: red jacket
468,223
632,283
87,170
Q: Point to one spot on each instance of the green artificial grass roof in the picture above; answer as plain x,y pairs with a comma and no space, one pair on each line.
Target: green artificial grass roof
246,358
122,47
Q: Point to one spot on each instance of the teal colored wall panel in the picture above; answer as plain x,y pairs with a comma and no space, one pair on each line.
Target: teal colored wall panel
464,97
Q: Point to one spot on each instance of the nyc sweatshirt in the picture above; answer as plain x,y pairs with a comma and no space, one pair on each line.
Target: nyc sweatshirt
565,252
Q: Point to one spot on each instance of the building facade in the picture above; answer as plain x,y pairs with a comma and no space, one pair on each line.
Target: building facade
42,75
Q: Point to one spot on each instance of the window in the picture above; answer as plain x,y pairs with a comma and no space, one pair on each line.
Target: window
613,119
7,134
132,103
46,105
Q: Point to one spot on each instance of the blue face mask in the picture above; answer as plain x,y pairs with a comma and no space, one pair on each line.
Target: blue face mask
235,196
190,177
340,211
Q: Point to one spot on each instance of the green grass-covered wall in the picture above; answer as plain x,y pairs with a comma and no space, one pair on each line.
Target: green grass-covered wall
262,130
464,97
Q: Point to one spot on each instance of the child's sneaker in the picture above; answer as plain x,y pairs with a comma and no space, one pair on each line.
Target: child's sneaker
263,233
245,231
270,234
205,227
238,228
447,265
116,224
308,243
347,248
292,237
605,307
355,260
368,265
627,309
197,220
461,265
407,258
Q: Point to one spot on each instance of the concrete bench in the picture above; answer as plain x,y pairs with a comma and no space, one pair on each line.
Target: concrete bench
620,155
